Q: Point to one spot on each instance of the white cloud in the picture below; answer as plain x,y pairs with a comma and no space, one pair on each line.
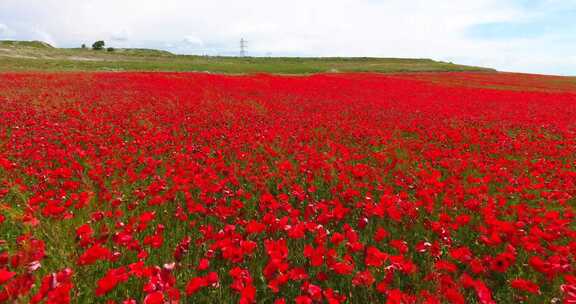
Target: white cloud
391,28
120,36
193,40
5,32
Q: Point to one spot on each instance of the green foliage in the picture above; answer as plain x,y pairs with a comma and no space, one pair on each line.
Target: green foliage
98,45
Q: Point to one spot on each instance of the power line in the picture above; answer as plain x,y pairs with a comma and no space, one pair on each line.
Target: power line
243,47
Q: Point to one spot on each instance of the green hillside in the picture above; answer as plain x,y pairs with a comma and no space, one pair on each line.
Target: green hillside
39,56
25,44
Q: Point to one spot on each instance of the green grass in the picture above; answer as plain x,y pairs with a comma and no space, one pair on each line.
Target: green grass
37,56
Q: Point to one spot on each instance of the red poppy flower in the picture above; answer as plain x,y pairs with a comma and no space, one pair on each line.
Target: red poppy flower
6,275
525,285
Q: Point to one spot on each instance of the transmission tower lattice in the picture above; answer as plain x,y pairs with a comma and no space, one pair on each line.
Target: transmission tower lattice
243,47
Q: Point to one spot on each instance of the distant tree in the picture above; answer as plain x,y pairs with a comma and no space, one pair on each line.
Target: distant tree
98,45
83,45
110,49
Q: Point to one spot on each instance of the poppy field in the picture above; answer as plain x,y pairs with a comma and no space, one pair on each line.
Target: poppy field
332,188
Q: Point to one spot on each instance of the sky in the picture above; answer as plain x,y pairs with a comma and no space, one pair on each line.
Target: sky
534,36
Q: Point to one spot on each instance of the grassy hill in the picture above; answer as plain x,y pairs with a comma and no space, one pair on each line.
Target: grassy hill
40,56
24,44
